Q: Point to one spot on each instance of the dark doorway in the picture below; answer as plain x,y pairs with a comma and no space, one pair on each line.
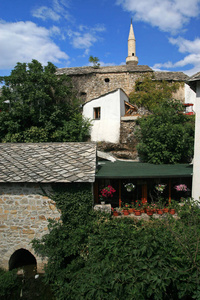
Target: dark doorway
20,258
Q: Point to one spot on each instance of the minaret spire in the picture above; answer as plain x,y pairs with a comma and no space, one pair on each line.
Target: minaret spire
132,58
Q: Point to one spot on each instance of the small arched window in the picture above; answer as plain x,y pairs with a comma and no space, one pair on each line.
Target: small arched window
107,80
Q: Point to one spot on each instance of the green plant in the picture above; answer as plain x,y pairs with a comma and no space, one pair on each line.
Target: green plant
166,136
149,92
95,61
93,256
138,204
38,106
10,285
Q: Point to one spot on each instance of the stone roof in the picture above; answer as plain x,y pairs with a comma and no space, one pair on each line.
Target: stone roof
47,162
111,69
131,68
195,77
175,76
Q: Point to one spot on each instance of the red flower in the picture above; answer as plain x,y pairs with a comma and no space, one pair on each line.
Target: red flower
108,191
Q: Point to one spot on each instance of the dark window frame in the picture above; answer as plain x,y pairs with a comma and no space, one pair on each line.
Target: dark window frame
97,113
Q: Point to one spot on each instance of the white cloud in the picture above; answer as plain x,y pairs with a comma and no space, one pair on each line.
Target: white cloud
44,13
193,57
24,41
84,41
168,15
59,9
86,37
186,45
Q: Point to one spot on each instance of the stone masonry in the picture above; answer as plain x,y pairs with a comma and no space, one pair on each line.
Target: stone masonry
26,171
91,83
24,214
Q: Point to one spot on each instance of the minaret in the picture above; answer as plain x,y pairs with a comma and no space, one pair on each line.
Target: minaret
132,58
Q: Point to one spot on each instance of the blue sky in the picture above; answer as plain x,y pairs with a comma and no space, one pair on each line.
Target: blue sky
67,32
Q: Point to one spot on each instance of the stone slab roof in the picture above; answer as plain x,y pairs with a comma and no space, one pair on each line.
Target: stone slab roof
175,76
195,77
111,69
47,162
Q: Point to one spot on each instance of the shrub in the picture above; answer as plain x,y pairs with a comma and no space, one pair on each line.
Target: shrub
9,285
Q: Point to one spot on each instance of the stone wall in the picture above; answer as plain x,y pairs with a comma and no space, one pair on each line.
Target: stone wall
126,148
91,83
24,211
91,86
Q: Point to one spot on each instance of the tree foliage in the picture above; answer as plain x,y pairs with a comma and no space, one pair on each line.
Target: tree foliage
149,92
95,61
38,106
93,256
167,135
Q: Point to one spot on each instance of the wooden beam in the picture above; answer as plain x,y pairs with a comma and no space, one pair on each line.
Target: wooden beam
120,193
144,193
170,190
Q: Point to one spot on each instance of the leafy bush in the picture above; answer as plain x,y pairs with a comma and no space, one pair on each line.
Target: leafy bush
93,256
149,92
9,285
166,136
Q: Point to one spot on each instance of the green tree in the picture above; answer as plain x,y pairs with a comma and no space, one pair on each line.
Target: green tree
166,136
150,92
95,61
38,106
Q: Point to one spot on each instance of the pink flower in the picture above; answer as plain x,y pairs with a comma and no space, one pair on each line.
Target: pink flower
181,188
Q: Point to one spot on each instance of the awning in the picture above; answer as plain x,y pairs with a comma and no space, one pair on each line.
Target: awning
130,169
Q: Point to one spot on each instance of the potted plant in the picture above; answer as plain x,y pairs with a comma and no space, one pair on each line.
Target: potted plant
160,205
131,209
172,206
126,209
106,193
137,208
115,211
149,209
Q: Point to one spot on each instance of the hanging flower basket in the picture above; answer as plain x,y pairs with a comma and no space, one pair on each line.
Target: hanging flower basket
129,187
106,193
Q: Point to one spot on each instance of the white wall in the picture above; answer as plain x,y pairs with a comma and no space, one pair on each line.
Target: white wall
196,160
112,108
190,96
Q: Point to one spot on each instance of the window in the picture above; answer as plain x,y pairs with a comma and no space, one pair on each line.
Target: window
97,113
107,80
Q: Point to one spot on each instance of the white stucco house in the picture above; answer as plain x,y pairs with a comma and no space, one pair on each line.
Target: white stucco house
194,82
105,114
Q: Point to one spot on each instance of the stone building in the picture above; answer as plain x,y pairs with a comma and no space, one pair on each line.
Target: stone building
93,82
27,175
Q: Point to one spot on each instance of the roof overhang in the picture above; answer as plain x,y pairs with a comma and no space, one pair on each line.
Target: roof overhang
130,169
